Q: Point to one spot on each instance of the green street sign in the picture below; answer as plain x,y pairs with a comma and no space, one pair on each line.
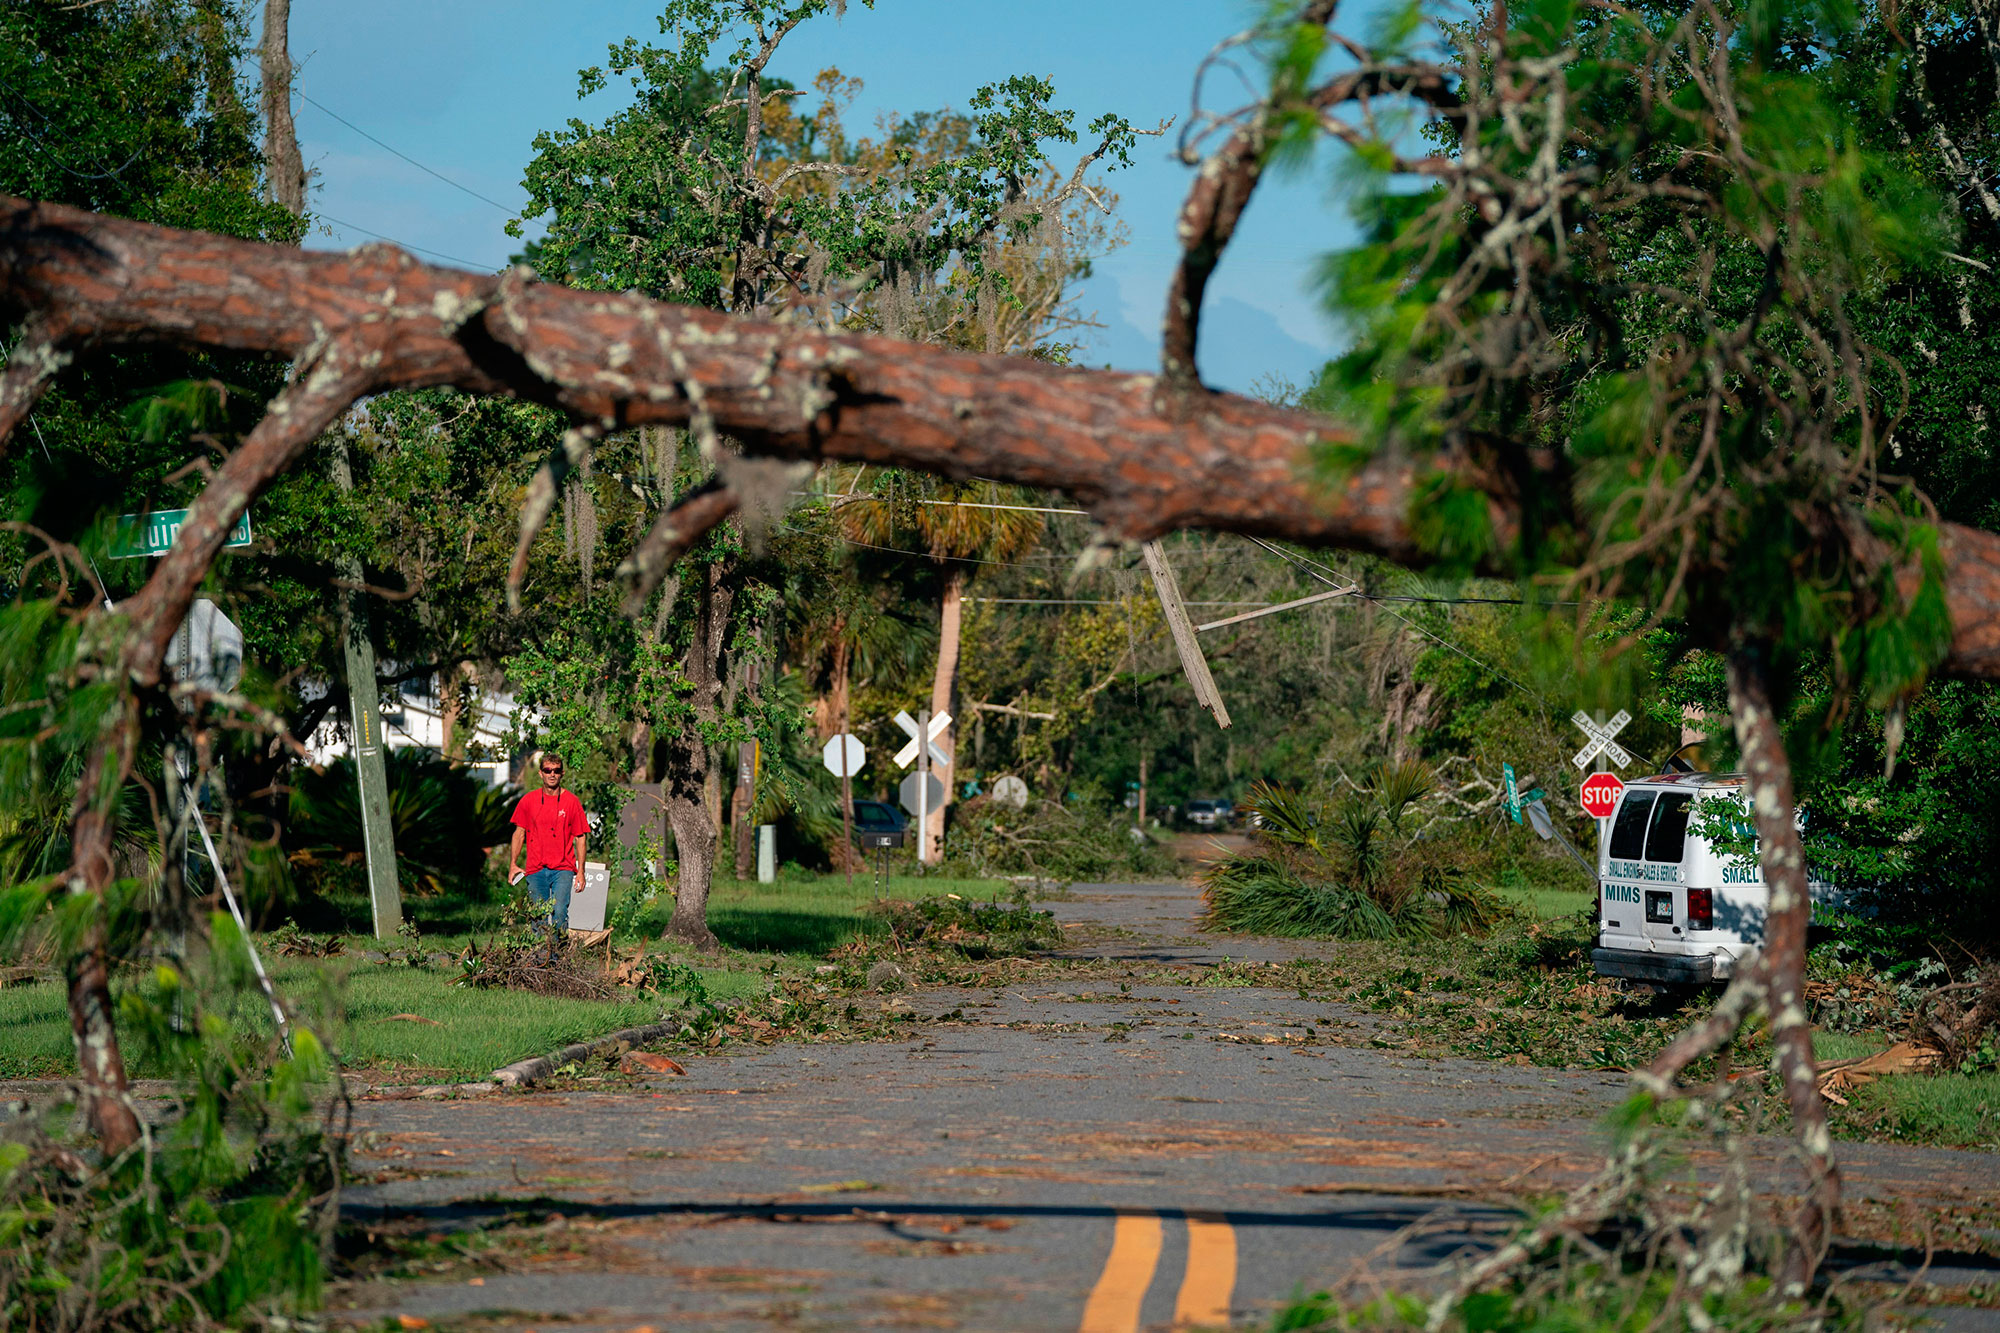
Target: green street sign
154,533
1513,795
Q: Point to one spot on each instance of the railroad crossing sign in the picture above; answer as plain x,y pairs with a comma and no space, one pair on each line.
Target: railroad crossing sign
921,793
1010,790
910,728
844,756
1600,741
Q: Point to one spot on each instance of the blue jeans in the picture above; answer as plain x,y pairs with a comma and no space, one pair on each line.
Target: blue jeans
553,887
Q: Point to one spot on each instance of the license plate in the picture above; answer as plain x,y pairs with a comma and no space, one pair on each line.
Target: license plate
1659,908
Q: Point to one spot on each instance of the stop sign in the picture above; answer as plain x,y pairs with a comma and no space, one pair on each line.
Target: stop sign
1601,792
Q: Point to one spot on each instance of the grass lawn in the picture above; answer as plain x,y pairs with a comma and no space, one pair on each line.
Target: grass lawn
1541,903
352,1000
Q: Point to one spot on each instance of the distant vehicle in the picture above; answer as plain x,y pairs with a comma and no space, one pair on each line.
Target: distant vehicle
878,817
1210,814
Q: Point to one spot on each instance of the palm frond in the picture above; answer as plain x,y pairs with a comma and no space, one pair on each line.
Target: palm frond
1346,868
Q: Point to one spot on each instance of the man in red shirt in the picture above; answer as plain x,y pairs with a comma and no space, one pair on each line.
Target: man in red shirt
549,824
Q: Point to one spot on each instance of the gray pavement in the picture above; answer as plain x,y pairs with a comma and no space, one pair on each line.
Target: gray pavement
1092,1155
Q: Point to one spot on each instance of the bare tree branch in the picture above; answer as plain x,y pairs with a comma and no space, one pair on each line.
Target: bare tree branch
672,533
1219,461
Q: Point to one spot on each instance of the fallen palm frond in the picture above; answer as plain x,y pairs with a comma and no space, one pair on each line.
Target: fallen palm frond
1348,866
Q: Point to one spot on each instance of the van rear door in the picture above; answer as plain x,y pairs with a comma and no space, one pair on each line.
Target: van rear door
1622,900
1665,892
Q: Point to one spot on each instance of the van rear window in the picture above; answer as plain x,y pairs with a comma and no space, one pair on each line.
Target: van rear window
1668,840
1628,833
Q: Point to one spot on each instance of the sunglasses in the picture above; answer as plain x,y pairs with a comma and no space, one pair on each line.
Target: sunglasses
551,770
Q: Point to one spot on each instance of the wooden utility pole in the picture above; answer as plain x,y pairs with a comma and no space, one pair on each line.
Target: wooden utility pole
364,700
1192,662
286,182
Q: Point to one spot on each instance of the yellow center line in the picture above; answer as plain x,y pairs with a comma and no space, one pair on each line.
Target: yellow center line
1211,1273
1114,1303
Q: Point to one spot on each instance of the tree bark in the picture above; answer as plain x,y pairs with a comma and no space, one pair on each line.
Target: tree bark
688,775
296,418
1774,981
100,1065
830,708
284,168
459,691
1208,460
950,618
1782,857
450,705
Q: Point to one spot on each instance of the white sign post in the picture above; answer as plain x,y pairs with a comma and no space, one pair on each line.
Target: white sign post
923,731
844,756
206,652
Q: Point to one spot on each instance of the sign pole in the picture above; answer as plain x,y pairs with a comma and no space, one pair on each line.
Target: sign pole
371,774
1597,766
915,790
923,788
846,805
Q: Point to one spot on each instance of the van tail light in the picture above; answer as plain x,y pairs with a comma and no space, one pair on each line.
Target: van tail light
1701,909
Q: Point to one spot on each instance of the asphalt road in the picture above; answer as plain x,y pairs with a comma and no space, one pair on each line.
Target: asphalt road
1059,1157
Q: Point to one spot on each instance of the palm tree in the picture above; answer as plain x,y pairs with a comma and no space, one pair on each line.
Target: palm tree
960,527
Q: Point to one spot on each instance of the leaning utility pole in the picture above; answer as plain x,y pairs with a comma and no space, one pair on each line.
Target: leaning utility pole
1192,662
364,699
285,179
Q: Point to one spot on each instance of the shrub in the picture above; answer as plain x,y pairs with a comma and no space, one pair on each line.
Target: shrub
219,1217
444,819
1353,866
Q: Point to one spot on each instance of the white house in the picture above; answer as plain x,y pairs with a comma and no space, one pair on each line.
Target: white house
413,716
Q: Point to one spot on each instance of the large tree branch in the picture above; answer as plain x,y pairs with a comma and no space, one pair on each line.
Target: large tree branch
375,319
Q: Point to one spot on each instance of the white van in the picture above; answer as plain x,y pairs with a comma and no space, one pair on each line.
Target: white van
1673,910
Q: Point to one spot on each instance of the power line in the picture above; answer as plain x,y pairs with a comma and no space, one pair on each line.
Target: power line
407,158
838,501
57,130
1313,567
925,555
472,264
1089,601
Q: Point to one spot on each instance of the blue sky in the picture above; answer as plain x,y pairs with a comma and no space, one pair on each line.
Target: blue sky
463,88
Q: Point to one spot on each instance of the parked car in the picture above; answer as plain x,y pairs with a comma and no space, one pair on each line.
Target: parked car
1210,813
879,817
